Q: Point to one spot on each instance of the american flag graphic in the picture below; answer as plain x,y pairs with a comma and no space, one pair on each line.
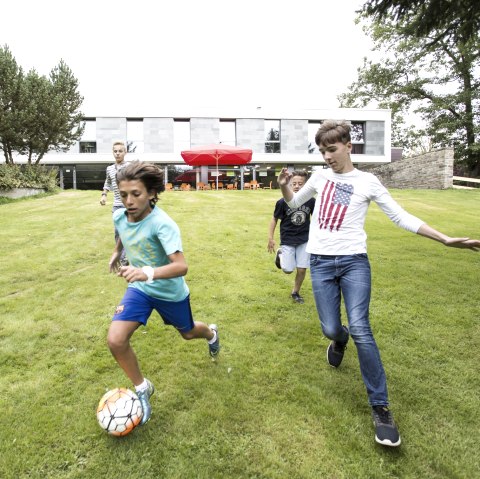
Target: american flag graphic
334,204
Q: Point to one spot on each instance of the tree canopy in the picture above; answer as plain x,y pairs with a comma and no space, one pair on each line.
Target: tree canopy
37,113
421,18
434,75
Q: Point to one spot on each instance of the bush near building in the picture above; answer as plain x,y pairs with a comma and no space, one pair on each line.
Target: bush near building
27,176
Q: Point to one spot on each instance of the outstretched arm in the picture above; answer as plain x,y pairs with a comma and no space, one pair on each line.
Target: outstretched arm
283,181
433,234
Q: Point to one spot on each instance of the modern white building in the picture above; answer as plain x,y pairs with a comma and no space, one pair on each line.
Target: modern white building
277,138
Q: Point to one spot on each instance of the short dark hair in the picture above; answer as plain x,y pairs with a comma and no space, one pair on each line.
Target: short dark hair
148,173
301,173
332,131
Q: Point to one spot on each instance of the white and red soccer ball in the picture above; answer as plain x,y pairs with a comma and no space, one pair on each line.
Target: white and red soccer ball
119,411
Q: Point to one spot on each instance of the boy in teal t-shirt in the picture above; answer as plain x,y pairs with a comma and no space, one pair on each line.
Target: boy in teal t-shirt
155,274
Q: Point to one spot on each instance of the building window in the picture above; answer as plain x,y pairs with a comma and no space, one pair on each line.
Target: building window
88,143
135,142
313,127
228,132
181,135
272,136
88,147
357,134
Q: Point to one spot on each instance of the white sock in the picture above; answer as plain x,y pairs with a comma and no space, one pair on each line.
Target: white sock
142,387
211,341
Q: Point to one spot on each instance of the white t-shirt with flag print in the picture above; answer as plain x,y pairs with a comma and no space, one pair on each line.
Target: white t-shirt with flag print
337,224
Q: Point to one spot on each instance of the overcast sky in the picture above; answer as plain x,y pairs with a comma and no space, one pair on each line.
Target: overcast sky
145,56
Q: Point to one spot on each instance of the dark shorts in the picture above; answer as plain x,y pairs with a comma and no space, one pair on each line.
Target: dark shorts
138,306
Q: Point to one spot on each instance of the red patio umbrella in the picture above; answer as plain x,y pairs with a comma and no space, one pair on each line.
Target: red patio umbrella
218,155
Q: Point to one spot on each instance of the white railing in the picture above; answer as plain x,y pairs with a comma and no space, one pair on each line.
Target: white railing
465,180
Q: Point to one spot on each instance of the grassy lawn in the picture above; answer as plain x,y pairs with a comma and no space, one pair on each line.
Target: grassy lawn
270,407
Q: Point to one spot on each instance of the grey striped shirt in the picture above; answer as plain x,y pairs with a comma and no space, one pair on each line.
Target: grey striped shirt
111,183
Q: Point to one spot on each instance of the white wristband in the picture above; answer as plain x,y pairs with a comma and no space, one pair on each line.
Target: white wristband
148,270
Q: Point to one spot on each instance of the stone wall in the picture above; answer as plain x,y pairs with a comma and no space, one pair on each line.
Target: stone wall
158,135
251,134
432,170
15,193
204,131
294,136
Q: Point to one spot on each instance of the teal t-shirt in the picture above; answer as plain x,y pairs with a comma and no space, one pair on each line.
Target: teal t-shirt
148,243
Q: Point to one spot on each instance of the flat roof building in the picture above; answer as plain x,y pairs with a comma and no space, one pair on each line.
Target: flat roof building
277,138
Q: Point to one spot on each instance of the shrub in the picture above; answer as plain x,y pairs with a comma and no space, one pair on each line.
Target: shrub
28,176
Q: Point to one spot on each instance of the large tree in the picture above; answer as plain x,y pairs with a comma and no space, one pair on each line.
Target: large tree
37,113
432,75
11,81
422,18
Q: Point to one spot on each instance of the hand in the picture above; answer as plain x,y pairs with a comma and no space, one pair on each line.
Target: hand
466,243
284,177
103,200
132,274
271,246
114,263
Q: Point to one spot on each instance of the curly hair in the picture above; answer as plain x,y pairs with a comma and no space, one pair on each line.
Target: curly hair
148,173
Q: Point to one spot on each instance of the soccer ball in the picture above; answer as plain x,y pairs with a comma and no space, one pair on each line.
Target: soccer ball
119,412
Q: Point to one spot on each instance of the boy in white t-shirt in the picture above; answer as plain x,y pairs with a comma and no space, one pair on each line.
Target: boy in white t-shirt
339,266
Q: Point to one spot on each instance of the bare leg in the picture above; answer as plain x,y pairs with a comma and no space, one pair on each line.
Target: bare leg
118,340
299,277
200,330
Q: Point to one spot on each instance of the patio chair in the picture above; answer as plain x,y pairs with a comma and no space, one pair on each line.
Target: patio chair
268,187
201,185
168,186
247,186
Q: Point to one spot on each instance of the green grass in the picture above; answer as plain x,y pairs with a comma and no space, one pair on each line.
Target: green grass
270,407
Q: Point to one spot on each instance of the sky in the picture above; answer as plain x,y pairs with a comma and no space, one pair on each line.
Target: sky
148,57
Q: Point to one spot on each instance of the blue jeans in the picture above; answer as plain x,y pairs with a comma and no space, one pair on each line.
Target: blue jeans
349,276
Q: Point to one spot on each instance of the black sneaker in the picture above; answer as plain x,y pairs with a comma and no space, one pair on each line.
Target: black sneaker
277,258
386,433
297,298
335,352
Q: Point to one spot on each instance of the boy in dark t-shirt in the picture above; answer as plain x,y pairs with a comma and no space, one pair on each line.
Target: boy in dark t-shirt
294,227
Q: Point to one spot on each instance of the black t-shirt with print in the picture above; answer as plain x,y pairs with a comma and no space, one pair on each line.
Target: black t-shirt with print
294,222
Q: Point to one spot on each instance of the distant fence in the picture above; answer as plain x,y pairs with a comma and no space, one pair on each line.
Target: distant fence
464,179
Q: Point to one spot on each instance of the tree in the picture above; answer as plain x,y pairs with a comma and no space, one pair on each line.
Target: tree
433,76
423,18
11,81
39,113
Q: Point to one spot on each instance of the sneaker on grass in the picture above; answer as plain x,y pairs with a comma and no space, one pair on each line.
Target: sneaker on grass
214,348
297,298
277,258
386,432
144,397
335,352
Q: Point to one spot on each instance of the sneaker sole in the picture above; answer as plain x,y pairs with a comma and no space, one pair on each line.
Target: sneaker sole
387,442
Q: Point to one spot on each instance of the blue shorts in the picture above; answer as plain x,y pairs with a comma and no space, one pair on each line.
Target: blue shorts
138,306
